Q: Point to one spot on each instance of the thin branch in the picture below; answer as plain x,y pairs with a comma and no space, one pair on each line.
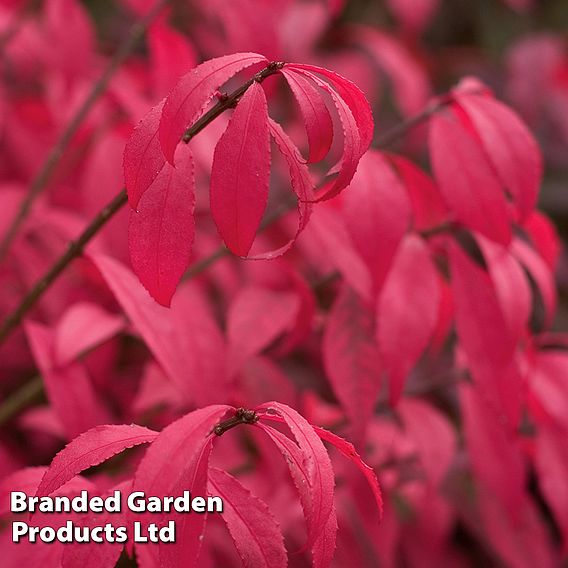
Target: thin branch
76,247
29,393
398,131
10,407
42,178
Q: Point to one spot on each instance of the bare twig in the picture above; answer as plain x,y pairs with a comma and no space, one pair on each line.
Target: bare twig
29,393
76,247
9,407
42,178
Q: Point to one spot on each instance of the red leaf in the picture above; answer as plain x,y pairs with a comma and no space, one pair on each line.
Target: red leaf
192,93
467,181
511,286
548,382
508,145
551,462
324,544
95,554
328,230
200,345
495,455
323,550
319,126
428,206
318,470
83,327
257,316
177,461
171,55
254,530
480,323
68,387
484,333
70,37
541,273
161,232
191,531
521,540
348,450
89,449
544,236
302,185
414,15
240,174
352,359
407,311
409,79
151,320
433,434
143,157
377,213
351,95
355,117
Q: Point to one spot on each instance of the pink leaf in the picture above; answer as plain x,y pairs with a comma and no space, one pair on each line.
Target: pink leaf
508,145
348,450
192,93
511,286
176,461
352,359
151,320
541,273
328,230
240,174
83,327
302,185
551,462
143,157
352,144
495,456
319,126
377,213
319,473
161,232
409,79
467,181
200,345
521,539
484,333
254,530
351,95
171,56
428,206
433,434
256,318
89,449
192,531
407,311
70,37
68,387
414,15
324,545
95,554
323,550
544,236
548,383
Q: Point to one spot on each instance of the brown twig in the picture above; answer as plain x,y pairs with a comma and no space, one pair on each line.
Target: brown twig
41,180
242,416
76,247
8,409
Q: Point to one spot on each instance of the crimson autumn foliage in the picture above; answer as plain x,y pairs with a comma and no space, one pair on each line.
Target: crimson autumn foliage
388,281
